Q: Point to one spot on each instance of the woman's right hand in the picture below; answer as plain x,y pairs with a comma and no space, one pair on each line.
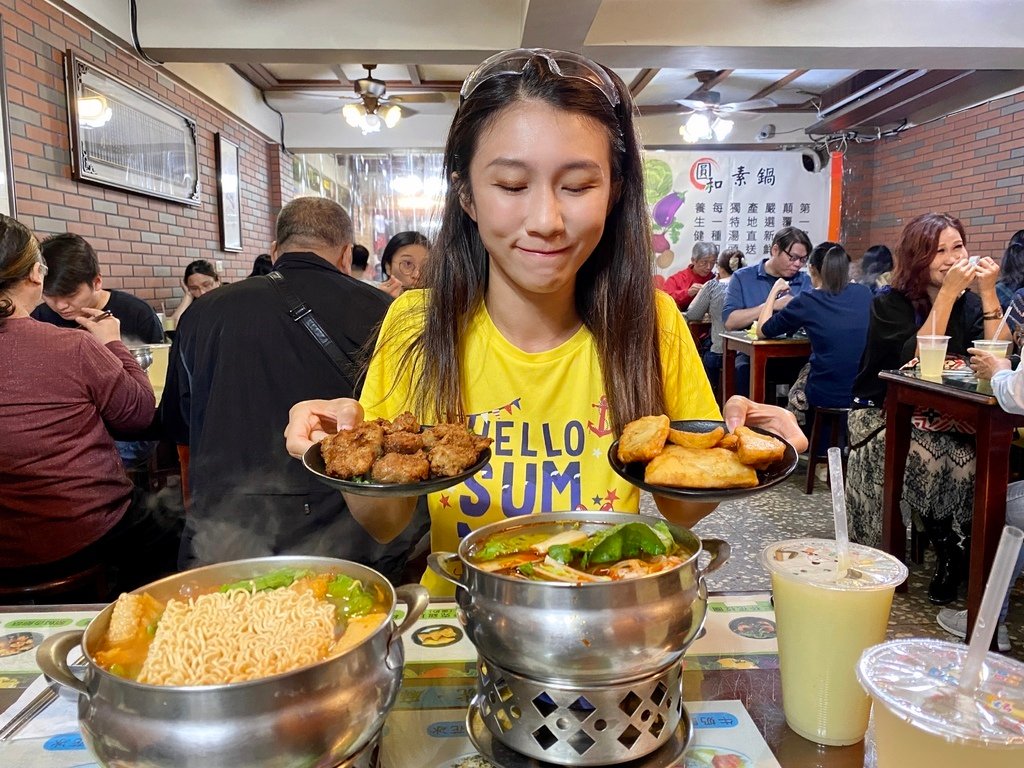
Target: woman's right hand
106,330
959,277
391,286
311,421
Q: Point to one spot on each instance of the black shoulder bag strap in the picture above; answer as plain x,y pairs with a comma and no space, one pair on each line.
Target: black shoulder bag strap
343,359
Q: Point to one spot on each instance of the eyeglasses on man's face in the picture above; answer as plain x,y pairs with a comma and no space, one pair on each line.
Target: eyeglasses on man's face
794,258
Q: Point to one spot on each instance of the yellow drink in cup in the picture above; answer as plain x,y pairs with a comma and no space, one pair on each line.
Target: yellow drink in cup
824,625
157,370
919,719
993,347
931,354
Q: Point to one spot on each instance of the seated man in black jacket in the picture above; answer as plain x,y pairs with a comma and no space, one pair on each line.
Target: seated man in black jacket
238,363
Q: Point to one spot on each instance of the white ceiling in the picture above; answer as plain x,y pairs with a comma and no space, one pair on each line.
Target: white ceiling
655,45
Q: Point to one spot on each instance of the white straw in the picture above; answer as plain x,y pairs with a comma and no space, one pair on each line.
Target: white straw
991,603
1002,323
835,474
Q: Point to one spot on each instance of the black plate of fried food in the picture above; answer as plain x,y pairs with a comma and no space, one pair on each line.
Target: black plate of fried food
397,458
697,460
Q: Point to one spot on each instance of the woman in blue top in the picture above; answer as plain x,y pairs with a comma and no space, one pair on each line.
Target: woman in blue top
835,315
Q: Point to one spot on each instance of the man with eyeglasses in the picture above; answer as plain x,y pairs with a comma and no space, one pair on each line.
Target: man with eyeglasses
749,288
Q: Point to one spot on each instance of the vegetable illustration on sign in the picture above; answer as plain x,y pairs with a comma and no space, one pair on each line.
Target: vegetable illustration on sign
665,205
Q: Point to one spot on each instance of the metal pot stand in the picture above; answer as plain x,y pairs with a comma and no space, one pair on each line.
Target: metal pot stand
516,722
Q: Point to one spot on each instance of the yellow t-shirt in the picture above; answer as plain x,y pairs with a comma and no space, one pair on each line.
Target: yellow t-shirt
546,412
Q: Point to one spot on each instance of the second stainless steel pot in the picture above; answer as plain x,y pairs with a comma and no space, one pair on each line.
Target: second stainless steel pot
581,634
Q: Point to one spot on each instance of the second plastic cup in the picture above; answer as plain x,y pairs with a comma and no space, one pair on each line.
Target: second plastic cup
931,355
824,625
921,719
993,347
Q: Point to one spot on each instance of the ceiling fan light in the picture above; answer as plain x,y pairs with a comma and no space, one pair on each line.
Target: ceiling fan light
371,124
352,114
698,125
392,115
721,128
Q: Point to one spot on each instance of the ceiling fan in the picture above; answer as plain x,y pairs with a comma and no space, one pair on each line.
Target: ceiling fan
710,101
371,106
709,116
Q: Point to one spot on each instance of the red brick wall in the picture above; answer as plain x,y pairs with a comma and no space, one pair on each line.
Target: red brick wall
970,165
144,243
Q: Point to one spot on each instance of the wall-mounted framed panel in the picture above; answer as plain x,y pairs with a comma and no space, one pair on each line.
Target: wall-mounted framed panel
127,139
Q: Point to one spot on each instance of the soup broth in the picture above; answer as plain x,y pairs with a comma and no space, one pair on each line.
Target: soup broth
580,553
245,630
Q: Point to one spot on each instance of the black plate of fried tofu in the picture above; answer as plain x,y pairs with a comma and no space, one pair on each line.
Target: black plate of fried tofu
697,460
398,458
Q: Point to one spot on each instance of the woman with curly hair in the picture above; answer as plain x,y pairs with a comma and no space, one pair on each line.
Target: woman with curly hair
936,289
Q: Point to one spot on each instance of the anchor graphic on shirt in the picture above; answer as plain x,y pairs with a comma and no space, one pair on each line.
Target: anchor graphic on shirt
602,428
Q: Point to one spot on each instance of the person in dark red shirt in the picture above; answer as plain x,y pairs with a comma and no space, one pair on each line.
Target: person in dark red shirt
686,283
64,493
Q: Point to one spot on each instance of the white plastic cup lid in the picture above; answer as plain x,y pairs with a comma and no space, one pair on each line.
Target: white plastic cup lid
917,680
816,562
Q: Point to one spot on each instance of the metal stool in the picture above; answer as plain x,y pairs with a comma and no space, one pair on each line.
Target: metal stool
836,418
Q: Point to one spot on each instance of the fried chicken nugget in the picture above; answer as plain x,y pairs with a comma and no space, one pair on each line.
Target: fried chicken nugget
404,422
696,439
400,468
680,467
403,442
351,452
643,439
757,450
454,449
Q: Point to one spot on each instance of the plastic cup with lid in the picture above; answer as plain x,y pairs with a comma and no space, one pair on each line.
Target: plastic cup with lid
825,620
921,717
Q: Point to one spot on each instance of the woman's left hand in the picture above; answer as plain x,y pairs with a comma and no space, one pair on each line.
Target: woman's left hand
741,411
986,274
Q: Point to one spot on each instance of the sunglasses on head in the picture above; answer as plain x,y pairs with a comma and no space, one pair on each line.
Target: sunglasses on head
561,63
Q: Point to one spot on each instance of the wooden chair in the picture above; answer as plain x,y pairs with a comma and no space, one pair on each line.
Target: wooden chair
86,582
834,419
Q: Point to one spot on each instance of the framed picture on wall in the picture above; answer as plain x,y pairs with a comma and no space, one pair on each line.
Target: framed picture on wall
124,138
7,206
228,195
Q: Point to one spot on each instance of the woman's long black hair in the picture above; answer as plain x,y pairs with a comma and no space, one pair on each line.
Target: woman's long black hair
615,294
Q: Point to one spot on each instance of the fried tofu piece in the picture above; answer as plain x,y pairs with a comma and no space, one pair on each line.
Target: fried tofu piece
680,467
757,450
643,439
696,439
130,617
400,468
729,441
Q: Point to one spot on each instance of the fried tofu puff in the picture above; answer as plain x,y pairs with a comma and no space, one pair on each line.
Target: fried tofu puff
757,450
643,439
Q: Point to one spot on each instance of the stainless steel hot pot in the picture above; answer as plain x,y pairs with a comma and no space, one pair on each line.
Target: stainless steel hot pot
316,716
589,634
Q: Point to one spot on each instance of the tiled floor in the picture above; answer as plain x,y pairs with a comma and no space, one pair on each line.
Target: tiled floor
786,512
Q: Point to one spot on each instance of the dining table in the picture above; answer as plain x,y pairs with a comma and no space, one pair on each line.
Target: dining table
970,400
760,352
731,689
